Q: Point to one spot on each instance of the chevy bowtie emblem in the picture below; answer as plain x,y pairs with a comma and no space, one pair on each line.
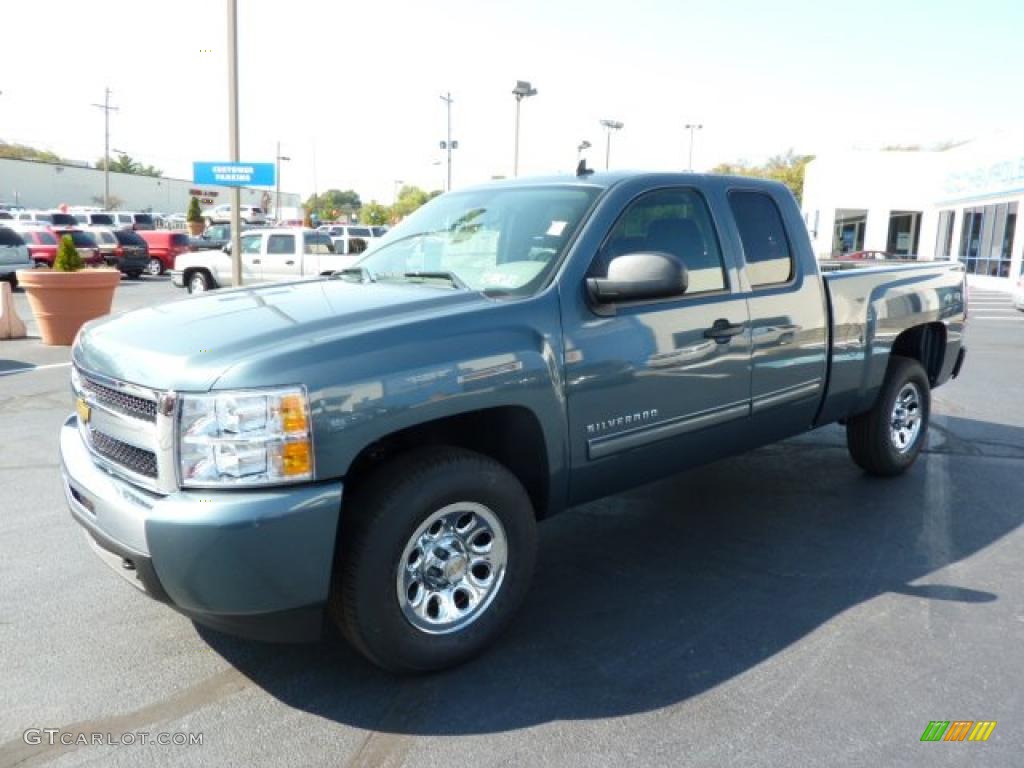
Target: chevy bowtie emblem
84,411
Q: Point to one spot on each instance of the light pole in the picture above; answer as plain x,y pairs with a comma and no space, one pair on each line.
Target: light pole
522,90
398,184
609,125
277,178
107,109
579,150
449,145
234,142
691,127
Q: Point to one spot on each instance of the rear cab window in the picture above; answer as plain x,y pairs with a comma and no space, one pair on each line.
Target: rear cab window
766,247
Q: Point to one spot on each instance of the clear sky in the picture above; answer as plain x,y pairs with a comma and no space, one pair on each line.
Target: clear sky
358,85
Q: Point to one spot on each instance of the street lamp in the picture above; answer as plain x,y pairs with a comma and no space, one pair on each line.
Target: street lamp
609,125
398,184
691,127
579,150
277,179
522,90
449,145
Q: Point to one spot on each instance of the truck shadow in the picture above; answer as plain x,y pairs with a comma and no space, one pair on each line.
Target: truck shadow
651,597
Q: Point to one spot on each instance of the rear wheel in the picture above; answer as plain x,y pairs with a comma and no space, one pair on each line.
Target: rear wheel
12,278
198,282
435,556
885,441
155,267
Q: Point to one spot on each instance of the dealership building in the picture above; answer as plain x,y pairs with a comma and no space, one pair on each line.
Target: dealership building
47,186
958,204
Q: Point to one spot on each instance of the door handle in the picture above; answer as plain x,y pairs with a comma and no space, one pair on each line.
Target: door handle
722,330
289,263
255,261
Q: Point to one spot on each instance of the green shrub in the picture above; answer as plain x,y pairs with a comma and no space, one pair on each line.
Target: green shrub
68,259
195,213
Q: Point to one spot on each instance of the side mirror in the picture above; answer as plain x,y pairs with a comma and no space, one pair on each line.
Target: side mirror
638,276
227,247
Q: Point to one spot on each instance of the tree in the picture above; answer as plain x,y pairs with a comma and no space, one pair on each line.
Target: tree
787,168
374,214
24,152
115,201
331,204
124,164
409,199
195,213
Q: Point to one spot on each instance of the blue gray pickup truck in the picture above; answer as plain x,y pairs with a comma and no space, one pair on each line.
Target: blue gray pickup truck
376,447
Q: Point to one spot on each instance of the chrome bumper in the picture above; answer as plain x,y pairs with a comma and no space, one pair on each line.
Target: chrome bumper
177,278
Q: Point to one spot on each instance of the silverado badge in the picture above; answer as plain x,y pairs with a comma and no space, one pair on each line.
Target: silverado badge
84,411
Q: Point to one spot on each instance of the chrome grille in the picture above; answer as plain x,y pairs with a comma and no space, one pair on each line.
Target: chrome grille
122,402
134,459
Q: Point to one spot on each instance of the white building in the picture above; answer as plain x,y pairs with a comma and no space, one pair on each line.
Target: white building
961,203
46,186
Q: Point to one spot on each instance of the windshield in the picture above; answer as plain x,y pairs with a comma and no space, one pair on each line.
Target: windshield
502,240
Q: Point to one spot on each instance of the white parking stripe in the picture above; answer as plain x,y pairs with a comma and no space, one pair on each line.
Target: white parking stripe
33,368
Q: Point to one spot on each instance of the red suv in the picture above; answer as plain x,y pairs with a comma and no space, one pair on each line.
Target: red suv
42,245
164,246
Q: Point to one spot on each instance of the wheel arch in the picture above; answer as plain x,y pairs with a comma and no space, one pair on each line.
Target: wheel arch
925,343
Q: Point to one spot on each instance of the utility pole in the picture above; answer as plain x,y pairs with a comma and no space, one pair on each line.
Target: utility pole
107,109
449,145
609,126
277,178
233,138
691,127
522,90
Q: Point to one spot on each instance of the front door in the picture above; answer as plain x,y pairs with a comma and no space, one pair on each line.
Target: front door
656,386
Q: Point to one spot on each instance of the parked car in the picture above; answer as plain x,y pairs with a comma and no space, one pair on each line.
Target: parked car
95,219
42,244
268,255
132,220
349,238
1018,294
377,447
164,247
105,239
6,215
214,238
84,243
14,255
50,218
221,214
132,254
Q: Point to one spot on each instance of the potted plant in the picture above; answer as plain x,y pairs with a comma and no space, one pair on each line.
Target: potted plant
66,297
194,217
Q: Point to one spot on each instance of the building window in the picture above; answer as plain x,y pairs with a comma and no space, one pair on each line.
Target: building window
944,239
987,239
904,234
848,235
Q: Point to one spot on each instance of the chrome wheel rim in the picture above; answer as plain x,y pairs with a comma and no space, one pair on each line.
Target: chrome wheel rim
154,267
451,568
197,284
905,420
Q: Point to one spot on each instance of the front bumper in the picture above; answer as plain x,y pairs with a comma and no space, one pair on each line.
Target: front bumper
256,563
177,278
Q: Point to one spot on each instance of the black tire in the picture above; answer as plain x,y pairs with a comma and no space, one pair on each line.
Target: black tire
134,274
873,440
198,282
382,520
12,278
154,267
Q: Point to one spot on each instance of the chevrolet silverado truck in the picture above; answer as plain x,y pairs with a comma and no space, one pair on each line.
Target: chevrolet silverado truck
376,447
268,255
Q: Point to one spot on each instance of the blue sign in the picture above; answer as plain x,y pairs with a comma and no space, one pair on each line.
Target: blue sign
234,174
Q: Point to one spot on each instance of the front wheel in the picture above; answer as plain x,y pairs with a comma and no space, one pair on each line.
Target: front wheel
198,282
435,556
885,441
155,267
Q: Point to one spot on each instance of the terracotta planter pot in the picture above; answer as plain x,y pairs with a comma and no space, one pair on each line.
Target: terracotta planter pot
195,228
62,302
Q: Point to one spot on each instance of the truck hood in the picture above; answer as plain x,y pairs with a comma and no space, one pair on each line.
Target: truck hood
187,345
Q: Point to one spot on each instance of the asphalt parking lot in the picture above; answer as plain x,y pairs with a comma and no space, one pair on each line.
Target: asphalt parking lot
775,609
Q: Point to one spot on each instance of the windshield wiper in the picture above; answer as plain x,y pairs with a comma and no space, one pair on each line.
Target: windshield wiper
365,275
442,275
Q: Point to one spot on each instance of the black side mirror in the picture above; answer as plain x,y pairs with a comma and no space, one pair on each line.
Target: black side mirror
638,276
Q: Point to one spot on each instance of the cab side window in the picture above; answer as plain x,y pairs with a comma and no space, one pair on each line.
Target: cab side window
251,244
281,244
675,222
765,245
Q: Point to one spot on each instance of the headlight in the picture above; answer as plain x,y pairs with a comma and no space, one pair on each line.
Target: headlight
250,437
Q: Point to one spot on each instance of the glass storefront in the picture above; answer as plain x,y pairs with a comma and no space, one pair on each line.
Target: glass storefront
986,239
904,234
848,235
944,237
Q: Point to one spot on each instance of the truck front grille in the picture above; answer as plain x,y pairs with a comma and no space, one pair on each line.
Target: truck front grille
122,402
133,459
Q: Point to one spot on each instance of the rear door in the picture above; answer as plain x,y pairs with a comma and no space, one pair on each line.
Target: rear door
281,260
787,314
252,259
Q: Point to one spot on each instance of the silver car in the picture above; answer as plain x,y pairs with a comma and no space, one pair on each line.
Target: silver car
14,255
